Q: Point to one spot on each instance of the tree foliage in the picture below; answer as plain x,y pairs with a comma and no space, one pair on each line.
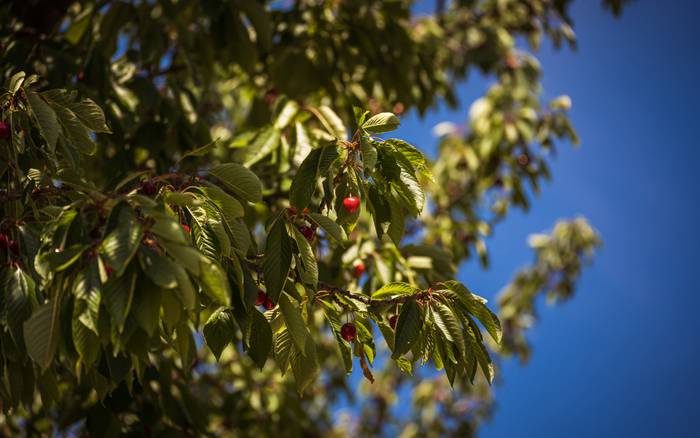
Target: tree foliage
204,231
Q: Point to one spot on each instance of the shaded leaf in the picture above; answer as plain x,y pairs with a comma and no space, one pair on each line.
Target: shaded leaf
407,328
240,180
41,332
260,342
278,258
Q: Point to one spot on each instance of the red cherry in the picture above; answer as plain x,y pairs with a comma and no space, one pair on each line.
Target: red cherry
271,96
348,331
14,247
351,204
392,321
5,130
268,304
109,269
292,211
308,232
3,241
149,188
262,296
359,270
186,228
523,159
81,76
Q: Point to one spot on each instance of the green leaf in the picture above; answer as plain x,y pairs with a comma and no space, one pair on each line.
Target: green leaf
117,295
121,244
295,323
158,268
182,199
332,229
408,187
304,184
305,367
41,332
79,25
167,227
369,154
405,365
260,342
309,271
185,291
18,300
477,307
380,209
172,309
86,342
241,236
60,260
413,155
218,331
265,143
200,151
382,122
91,115
87,287
215,283
78,135
16,81
333,124
146,305
407,328
397,221
394,290
45,117
229,206
448,324
240,180
186,256
289,110
184,343
283,349
278,258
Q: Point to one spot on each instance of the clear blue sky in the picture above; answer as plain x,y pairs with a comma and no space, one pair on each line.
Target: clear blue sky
620,358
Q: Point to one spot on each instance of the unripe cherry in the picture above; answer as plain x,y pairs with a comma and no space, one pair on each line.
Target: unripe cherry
5,130
351,204
348,331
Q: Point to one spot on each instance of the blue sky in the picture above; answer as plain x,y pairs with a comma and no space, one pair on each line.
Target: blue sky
619,359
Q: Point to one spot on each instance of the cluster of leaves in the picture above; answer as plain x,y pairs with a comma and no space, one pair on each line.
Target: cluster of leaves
103,279
147,280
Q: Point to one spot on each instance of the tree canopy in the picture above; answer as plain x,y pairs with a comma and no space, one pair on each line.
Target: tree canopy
207,221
